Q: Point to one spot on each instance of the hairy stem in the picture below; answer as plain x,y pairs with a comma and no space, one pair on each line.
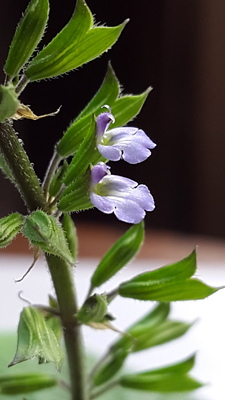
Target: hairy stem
21,169
29,187
22,84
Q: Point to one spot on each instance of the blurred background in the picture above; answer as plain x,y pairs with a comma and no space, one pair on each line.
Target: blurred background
178,48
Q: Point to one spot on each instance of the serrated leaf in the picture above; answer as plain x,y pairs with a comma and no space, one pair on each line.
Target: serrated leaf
78,43
36,339
27,36
189,289
8,102
25,383
119,255
45,232
10,226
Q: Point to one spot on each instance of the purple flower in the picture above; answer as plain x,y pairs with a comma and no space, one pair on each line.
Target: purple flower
123,196
129,143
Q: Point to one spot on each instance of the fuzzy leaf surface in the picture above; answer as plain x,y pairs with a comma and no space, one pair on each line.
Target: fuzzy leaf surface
36,339
78,43
10,226
45,232
119,255
27,36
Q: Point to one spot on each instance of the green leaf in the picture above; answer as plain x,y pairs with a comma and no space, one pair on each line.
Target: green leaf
57,181
161,384
152,330
9,228
119,255
8,102
162,333
189,289
78,43
36,339
70,234
108,92
27,36
25,383
44,231
110,368
126,108
169,379
83,157
76,196
178,271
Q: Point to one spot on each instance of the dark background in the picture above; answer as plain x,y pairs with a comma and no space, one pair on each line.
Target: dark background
176,46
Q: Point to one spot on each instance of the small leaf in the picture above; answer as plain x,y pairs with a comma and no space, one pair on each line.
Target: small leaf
161,384
36,339
8,102
83,157
45,232
70,234
152,330
10,226
174,272
78,43
25,383
27,36
173,378
189,289
119,255
110,368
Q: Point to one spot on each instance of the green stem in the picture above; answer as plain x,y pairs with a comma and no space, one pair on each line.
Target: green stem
22,84
56,158
104,389
64,287
61,273
22,171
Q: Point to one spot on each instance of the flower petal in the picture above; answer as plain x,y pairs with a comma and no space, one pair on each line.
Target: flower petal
109,152
132,145
102,123
128,211
103,204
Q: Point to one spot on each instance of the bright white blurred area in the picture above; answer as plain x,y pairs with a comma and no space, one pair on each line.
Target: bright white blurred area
206,337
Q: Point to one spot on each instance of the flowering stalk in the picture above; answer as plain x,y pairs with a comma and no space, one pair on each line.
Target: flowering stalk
29,187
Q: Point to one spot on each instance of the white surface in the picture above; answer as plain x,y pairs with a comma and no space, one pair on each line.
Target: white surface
207,336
